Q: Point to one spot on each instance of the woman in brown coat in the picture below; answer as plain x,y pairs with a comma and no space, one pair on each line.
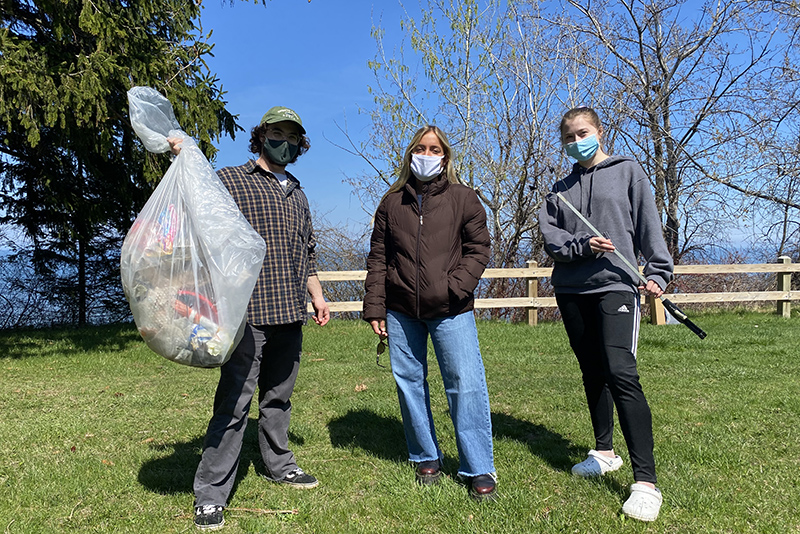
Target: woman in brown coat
429,248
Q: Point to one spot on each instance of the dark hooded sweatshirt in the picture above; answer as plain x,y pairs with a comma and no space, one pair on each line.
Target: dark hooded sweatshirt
615,197
426,256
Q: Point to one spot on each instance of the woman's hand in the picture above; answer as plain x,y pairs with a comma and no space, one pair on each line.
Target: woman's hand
652,289
601,244
379,327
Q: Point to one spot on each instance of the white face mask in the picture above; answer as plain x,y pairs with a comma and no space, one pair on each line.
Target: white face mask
426,168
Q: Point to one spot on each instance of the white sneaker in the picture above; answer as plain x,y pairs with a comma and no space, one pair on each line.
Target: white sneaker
596,465
643,504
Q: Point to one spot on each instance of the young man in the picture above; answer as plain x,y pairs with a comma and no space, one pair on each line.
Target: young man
268,355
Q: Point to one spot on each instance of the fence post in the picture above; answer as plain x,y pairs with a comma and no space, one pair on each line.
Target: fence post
785,284
657,312
533,292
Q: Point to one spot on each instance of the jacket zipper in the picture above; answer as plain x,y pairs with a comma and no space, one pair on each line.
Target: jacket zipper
419,238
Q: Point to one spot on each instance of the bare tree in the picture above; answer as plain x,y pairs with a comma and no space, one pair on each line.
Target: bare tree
775,207
705,97
690,96
340,248
491,74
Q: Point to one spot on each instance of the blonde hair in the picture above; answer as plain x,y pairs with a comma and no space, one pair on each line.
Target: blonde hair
405,169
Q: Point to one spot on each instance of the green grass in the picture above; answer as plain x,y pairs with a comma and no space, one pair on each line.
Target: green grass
101,435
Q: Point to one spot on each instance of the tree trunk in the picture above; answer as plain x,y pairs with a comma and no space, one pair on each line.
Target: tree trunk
81,281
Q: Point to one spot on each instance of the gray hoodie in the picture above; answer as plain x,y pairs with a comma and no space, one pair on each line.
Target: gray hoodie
615,197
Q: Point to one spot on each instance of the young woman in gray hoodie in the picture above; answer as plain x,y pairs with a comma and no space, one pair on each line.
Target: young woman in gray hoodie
598,296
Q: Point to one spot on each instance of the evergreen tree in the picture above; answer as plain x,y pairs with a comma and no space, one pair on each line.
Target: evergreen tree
72,175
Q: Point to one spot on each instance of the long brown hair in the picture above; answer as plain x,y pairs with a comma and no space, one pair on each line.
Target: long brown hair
405,170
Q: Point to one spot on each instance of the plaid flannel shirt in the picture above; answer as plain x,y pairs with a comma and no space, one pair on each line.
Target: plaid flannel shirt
283,219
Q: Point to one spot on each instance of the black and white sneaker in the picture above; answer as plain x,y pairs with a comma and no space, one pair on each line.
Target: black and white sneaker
208,517
297,478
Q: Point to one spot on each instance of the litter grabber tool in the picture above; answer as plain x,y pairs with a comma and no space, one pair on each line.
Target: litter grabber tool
676,312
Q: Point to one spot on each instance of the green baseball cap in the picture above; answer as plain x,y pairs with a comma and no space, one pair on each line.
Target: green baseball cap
280,113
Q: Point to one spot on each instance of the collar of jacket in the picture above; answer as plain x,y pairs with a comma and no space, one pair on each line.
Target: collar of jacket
434,187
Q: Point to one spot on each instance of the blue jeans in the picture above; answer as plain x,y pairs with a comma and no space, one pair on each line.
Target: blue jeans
455,341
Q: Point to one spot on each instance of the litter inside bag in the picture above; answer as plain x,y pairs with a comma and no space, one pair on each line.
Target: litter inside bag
190,261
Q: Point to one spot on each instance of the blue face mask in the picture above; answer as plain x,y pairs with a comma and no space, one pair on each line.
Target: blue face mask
584,149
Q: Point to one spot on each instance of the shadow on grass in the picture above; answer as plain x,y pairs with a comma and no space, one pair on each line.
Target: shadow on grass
546,444
551,447
66,341
367,430
174,473
379,435
384,437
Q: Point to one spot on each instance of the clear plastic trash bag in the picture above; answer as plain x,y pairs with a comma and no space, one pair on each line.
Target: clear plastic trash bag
190,261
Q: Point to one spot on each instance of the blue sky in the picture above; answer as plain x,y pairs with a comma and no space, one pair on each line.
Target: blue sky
311,57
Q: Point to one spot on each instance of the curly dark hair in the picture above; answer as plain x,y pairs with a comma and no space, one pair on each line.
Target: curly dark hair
259,134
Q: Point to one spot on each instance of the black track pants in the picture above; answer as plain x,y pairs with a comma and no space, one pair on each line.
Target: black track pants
603,330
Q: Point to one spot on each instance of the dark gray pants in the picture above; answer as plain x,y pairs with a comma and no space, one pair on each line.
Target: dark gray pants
603,331
267,357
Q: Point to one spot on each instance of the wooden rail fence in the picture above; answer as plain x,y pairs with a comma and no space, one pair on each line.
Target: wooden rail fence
783,293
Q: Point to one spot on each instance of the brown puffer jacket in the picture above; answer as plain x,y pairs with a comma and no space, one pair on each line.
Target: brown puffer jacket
426,262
